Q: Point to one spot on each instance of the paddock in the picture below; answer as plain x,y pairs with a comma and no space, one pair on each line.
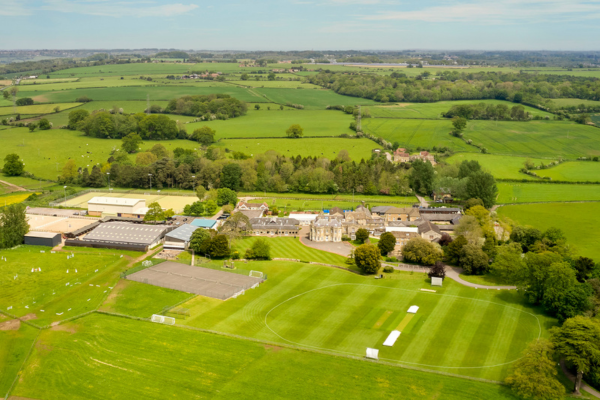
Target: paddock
202,281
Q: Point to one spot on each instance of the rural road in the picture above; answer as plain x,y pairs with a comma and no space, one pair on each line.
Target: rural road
585,387
422,201
14,187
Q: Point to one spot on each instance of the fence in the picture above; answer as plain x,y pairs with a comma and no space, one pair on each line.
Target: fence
123,191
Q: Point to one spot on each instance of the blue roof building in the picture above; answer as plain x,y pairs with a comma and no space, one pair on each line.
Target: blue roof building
204,223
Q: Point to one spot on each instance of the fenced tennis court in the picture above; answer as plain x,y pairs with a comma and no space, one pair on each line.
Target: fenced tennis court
202,281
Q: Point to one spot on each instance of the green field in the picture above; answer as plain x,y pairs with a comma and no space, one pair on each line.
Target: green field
575,102
325,147
326,203
579,222
141,93
502,167
435,110
529,139
60,294
275,84
573,171
273,123
100,357
311,98
46,152
126,69
37,108
14,347
332,198
545,192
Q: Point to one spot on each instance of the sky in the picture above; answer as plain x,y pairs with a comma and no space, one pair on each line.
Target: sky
301,24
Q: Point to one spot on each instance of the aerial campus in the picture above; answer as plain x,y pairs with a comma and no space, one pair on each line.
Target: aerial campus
179,220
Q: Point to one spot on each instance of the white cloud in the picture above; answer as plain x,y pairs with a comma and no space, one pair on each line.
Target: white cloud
501,11
118,9
13,8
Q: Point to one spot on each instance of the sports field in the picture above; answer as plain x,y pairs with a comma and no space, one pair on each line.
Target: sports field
579,222
100,357
333,198
545,192
573,171
502,167
325,204
316,147
177,203
63,287
274,122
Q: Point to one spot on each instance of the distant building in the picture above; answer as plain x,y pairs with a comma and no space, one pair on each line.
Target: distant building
49,239
179,239
275,226
117,207
122,235
402,214
400,155
304,218
242,205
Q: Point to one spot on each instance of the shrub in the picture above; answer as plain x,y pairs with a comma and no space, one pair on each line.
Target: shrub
388,270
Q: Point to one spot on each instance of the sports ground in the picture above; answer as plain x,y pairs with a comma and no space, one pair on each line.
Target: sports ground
177,203
57,224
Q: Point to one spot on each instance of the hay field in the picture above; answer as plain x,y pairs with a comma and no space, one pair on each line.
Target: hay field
37,108
311,98
177,203
509,193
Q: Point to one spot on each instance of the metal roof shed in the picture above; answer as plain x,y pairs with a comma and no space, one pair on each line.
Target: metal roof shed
49,239
204,223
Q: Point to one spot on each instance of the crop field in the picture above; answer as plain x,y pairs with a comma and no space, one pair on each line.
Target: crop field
63,287
177,203
576,171
502,167
325,147
435,110
126,69
46,152
13,198
579,222
273,123
275,84
25,182
289,247
85,83
145,360
140,93
546,192
324,308
311,98
43,81
37,108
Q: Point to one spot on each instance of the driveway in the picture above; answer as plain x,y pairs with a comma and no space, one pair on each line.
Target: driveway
341,248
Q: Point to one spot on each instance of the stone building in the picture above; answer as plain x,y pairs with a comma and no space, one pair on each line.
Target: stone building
325,229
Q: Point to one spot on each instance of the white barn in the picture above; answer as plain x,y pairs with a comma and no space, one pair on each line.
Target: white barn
117,206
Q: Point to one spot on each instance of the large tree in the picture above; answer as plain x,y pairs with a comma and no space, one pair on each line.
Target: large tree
509,264
473,260
295,131
578,342
13,166
231,177
482,185
362,235
69,172
226,196
13,225
563,296
154,213
219,247
261,249
236,225
533,376
200,240
204,135
422,251
131,143
386,243
366,257
454,250
422,177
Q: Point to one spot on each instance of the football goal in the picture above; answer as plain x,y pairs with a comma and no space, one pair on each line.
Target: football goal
161,319
241,292
256,274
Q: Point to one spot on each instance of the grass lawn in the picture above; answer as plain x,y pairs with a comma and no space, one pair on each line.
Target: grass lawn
289,247
435,110
318,205
25,182
319,147
311,98
502,167
545,192
14,347
37,108
488,280
577,171
134,359
579,222
145,300
273,123
44,149
326,308
60,294
140,93
336,197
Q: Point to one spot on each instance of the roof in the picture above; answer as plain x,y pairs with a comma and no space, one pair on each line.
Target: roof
252,205
380,209
439,210
252,213
427,226
203,223
115,201
328,222
184,232
304,217
441,217
274,222
49,235
336,210
403,210
405,234
126,232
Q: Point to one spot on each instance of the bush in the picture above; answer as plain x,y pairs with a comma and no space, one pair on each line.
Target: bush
388,270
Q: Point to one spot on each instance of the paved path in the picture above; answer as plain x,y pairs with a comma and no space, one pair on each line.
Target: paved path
571,377
342,248
422,201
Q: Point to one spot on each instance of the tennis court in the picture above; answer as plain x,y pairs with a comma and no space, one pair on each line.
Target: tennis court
177,203
202,281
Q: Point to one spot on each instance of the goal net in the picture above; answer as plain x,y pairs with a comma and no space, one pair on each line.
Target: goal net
256,274
436,281
241,292
161,319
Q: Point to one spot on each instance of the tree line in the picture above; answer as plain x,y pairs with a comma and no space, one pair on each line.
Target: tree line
484,111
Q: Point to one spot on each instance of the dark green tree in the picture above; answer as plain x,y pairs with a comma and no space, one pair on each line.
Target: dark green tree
421,177
219,247
13,225
472,203
468,168
261,249
295,131
96,177
200,240
362,235
454,250
386,243
44,124
366,257
473,260
13,166
77,116
231,177
226,196
482,185
204,135
131,143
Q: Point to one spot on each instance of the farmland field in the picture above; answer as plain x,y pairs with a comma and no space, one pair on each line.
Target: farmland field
194,365
275,84
311,98
13,198
14,347
579,222
502,167
273,123
575,102
325,147
573,171
545,192
435,110
38,108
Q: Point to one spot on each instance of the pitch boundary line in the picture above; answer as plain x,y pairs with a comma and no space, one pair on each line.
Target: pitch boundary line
388,359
